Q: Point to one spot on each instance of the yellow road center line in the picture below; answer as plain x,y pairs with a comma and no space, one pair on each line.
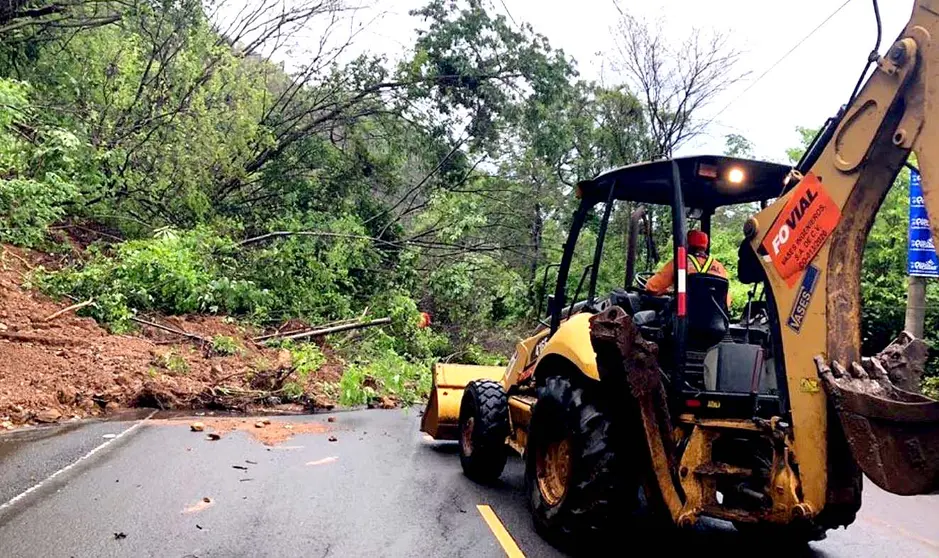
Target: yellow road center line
505,539
908,534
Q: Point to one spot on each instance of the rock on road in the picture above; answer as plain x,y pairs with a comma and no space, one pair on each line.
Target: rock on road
380,489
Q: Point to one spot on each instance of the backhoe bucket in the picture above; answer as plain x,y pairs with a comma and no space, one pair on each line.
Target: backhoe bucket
893,433
442,415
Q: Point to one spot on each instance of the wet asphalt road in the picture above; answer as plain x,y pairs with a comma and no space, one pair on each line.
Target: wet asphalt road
388,492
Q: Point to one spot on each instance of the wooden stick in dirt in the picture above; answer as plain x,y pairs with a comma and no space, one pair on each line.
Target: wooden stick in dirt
19,257
335,329
170,329
267,336
68,309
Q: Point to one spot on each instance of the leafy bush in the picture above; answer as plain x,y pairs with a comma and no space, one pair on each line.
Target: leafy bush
355,388
173,362
477,292
396,362
307,358
225,346
174,273
385,373
474,354
405,336
314,277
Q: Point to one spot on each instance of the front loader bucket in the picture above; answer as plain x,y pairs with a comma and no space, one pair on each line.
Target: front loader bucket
442,415
893,433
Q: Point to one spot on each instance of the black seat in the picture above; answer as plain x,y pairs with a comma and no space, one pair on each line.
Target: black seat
708,321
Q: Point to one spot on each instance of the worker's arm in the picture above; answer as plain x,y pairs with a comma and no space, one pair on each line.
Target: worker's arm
662,281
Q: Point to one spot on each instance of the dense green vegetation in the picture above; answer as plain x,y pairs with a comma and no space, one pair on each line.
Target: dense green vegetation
199,157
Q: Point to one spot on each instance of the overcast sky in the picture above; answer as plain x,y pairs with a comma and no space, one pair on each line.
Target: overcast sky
803,90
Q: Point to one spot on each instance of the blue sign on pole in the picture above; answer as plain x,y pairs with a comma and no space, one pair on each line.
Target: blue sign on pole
921,252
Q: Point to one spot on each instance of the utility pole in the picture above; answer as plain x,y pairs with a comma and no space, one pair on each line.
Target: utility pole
915,306
922,261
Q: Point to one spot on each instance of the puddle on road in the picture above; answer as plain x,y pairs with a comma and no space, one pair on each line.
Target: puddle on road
276,432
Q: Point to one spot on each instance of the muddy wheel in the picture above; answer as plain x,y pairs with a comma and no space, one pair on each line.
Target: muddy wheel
484,424
570,465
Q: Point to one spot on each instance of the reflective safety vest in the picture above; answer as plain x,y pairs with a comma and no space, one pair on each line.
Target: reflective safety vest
701,267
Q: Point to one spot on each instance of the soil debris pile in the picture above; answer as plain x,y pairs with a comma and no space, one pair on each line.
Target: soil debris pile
55,365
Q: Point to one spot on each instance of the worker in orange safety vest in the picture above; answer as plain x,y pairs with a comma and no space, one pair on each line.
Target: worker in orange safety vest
699,262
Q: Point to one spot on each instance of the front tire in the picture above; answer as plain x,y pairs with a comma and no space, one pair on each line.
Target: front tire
484,425
571,472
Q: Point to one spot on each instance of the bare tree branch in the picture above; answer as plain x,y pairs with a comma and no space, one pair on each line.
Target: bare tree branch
675,82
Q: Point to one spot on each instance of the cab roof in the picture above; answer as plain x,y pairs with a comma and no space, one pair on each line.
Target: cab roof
706,182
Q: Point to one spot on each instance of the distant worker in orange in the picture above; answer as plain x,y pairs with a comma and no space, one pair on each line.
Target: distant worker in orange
424,320
698,262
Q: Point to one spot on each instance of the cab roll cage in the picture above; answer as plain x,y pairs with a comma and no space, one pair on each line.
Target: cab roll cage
679,249
558,301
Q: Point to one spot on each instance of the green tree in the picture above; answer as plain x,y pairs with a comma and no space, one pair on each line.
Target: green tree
737,145
806,135
39,167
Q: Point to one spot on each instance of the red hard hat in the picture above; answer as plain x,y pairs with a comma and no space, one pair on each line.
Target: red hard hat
697,239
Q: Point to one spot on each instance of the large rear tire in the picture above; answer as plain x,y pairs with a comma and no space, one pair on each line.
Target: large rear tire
484,425
571,473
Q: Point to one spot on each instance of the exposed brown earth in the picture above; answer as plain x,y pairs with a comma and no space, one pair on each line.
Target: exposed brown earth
269,433
68,366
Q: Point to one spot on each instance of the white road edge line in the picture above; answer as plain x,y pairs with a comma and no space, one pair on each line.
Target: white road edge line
68,467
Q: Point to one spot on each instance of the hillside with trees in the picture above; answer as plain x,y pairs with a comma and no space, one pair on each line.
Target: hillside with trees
234,159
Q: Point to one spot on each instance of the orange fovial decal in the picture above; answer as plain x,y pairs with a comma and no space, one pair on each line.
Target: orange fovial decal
801,228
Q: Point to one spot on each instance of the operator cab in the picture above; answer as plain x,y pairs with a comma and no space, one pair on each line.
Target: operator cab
719,362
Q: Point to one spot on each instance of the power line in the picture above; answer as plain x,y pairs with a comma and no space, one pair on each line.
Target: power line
777,62
508,12
618,9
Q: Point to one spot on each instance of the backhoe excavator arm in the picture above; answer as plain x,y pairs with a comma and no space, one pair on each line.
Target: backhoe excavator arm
810,243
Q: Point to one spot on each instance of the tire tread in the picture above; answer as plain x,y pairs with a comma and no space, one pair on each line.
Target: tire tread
489,403
590,506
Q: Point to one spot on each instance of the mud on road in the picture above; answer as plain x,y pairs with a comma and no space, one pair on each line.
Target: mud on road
379,489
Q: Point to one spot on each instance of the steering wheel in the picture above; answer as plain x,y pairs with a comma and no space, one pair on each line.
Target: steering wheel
642,277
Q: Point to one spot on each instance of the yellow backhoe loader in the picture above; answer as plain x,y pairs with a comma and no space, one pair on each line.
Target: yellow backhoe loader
627,401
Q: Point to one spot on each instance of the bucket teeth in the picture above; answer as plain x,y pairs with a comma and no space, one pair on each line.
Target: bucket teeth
892,429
